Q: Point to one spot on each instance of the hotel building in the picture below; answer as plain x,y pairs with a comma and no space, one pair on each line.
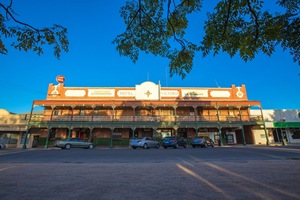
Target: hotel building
112,115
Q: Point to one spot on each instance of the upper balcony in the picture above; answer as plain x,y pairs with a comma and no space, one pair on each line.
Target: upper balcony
131,115
136,118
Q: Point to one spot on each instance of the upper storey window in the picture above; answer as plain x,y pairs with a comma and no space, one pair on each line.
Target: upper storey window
55,113
82,112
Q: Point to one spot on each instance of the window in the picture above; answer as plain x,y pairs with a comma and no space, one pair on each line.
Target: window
9,138
82,112
192,111
296,134
23,138
171,112
200,111
55,113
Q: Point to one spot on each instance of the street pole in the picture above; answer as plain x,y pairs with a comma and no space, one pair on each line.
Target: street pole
111,136
47,139
28,128
220,135
243,135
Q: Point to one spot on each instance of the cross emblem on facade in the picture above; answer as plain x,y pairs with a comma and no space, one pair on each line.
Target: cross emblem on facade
148,93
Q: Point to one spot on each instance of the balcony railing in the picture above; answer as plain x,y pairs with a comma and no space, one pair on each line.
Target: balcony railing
162,118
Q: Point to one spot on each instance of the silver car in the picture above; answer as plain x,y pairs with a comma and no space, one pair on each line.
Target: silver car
144,143
73,142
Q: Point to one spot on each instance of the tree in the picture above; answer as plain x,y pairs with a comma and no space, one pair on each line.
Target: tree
27,37
244,27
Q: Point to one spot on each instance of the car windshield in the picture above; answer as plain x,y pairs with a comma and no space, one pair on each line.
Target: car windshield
169,138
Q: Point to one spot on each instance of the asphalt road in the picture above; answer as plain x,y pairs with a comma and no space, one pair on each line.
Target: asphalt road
245,172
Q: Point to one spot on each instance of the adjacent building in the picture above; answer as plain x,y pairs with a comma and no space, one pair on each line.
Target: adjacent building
282,124
12,127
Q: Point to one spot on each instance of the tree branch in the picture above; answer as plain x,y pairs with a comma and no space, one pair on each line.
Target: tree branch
17,21
227,17
256,21
173,29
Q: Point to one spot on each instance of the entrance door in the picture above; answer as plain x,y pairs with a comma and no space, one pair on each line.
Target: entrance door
279,134
35,141
284,136
181,132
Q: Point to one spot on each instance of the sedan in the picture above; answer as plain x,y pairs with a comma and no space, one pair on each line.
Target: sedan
2,146
144,143
174,142
202,141
73,142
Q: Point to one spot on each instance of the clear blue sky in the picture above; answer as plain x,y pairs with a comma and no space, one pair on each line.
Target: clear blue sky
92,60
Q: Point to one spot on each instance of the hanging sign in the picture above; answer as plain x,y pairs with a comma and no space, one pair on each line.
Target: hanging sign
60,79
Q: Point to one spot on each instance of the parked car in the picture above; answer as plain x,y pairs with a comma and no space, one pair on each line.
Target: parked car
2,146
202,141
174,142
144,143
73,143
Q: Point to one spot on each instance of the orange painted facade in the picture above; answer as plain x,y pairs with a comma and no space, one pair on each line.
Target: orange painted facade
114,114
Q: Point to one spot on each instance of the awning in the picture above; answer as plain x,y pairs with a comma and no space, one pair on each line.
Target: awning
286,124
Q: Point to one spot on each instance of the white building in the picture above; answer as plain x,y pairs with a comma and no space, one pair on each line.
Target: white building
279,124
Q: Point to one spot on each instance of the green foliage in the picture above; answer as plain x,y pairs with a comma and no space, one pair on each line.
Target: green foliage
107,141
243,27
152,26
26,37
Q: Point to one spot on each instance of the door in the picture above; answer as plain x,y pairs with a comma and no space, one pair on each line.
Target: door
35,141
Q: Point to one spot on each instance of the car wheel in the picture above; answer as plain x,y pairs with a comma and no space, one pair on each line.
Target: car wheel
193,146
145,146
133,147
157,146
205,145
91,146
165,147
67,146
176,146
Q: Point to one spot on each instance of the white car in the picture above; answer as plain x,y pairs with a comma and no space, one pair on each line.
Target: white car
2,146
144,143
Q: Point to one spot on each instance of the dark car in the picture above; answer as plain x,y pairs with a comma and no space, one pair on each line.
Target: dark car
202,141
2,146
174,142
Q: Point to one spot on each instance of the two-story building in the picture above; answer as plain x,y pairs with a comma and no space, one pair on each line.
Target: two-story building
112,115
